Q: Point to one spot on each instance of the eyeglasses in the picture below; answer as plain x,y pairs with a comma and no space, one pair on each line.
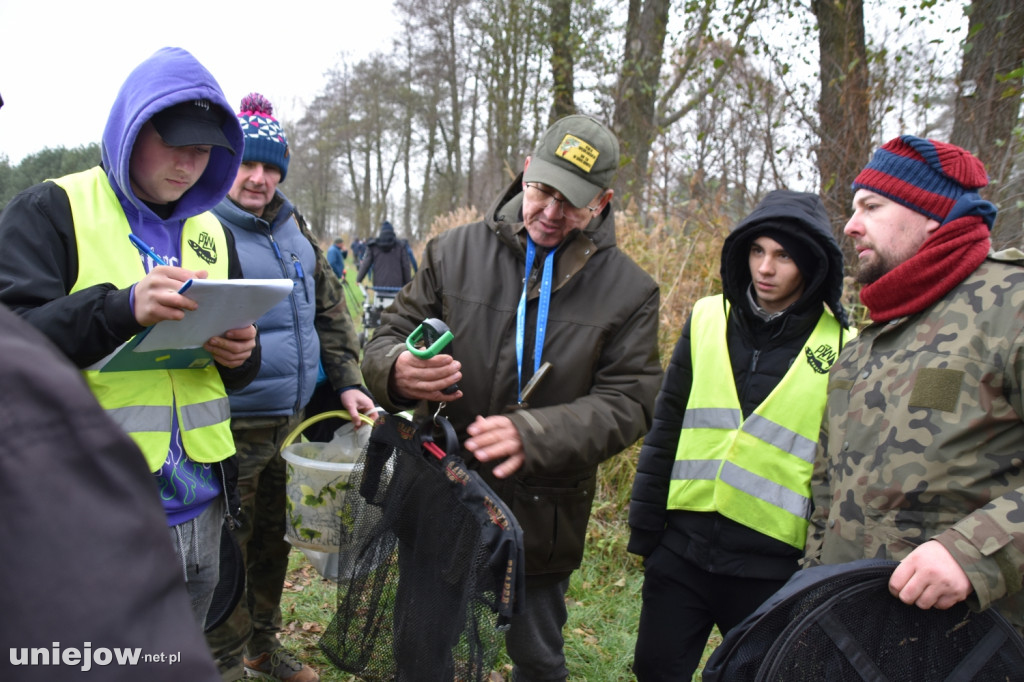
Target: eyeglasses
538,194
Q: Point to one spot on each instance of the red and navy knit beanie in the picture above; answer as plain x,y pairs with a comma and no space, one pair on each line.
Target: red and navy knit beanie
926,176
264,138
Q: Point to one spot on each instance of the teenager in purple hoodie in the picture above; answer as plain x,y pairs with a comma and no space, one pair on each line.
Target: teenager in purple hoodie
70,267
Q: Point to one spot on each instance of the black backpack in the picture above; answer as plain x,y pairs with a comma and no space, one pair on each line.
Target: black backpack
838,623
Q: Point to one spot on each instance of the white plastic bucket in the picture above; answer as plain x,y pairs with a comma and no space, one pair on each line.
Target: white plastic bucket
316,490
318,479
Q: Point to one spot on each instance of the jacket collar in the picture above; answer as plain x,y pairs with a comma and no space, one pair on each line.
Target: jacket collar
505,219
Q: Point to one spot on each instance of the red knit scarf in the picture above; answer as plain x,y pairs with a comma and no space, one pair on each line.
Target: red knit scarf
945,259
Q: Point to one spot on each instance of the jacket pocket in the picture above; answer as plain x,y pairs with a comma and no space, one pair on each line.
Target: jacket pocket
554,522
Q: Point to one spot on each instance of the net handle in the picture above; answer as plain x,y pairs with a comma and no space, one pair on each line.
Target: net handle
429,441
342,414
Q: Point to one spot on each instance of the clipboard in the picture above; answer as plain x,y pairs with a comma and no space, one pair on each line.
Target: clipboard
178,344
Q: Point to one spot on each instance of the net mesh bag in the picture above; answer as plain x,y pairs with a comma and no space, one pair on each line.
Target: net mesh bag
436,563
840,623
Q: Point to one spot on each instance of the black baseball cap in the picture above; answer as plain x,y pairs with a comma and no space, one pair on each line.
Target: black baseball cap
195,122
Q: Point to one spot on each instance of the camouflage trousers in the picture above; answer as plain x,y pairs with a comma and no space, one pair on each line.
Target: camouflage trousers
255,622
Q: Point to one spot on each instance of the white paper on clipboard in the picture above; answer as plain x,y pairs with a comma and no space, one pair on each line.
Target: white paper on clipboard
223,304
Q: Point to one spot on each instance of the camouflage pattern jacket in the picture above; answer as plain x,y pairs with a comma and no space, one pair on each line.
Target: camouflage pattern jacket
923,438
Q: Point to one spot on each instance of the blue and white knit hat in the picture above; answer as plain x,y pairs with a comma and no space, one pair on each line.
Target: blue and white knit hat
264,139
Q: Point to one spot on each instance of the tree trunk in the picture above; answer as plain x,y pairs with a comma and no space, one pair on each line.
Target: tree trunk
561,36
636,96
843,107
988,105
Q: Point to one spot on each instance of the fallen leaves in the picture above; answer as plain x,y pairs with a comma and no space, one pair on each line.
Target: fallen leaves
587,635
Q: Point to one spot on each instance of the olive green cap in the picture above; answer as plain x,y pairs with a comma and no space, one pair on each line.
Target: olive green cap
577,156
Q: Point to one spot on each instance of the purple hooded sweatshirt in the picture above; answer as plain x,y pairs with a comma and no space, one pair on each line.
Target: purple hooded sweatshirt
171,76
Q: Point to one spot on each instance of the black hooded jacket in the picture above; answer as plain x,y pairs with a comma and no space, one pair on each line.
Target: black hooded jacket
388,257
761,353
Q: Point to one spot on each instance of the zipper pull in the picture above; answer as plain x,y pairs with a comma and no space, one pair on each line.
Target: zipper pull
301,274
277,249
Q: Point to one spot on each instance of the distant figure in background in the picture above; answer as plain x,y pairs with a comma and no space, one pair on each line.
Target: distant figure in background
358,250
336,255
388,257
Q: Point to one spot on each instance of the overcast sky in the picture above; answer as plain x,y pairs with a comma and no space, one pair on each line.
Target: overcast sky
62,61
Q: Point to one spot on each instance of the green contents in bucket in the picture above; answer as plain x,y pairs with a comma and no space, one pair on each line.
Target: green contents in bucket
318,477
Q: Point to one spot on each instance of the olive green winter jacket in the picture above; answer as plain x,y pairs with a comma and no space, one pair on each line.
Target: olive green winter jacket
601,340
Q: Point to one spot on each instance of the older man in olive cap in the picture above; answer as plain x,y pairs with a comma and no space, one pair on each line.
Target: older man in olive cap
538,289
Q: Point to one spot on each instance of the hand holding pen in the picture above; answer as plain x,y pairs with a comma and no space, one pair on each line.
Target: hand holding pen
160,294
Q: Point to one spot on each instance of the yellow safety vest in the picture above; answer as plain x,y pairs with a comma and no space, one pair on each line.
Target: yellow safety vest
141,402
755,471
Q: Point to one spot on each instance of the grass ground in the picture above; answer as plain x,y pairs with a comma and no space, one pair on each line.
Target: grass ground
603,605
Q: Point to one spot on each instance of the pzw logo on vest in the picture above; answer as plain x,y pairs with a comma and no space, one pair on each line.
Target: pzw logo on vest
822,358
205,248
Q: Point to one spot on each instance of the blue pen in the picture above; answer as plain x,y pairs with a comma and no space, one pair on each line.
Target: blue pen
145,249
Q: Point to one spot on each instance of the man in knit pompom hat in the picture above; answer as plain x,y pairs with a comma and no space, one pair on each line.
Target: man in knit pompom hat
308,330
920,455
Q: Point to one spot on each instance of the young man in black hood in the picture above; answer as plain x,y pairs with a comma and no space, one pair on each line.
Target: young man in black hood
721,498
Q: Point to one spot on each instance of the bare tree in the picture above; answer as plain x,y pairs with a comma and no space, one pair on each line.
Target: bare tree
729,151
512,79
450,118
645,105
560,36
843,105
437,29
312,172
636,94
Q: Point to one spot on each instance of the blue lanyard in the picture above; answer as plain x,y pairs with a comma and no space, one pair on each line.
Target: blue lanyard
542,311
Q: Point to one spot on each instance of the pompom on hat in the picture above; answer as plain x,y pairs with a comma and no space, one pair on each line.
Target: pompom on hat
264,139
926,176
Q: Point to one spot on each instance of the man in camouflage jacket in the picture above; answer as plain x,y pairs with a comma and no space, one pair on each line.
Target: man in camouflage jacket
922,443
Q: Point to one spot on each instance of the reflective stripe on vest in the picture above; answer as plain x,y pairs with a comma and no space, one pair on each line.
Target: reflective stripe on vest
755,471
141,402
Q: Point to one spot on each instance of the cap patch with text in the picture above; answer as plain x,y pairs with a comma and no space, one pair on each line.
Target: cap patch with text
577,152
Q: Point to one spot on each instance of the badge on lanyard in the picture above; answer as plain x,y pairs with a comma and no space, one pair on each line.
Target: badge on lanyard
539,370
